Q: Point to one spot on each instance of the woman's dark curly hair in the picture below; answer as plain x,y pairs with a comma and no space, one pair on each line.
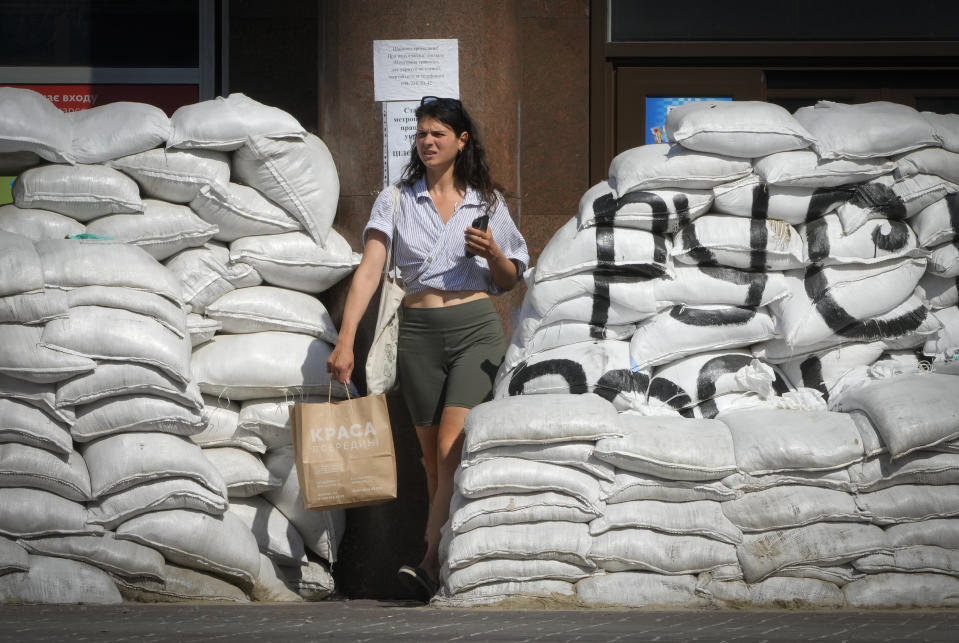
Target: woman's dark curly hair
470,166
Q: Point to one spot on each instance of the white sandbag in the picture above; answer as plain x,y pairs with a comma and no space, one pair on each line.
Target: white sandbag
265,308
219,544
33,513
33,307
631,549
836,480
550,594
23,355
789,506
899,591
649,167
181,584
135,413
563,541
14,163
911,503
804,168
207,274
13,557
56,581
156,495
270,584
604,249
687,330
269,364
929,160
225,123
143,302
866,130
269,420
910,412
743,129
107,132
945,128
671,448
833,371
82,192
118,557
119,336
919,558
578,455
118,462
825,543
750,197
936,223
74,263
298,175
222,418
558,418
31,123
163,229
705,285
662,211
312,581
293,260
21,269
944,261
42,396
778,592
27,466
175,175
37,224
599,367
698,379
737,242
875,241
885,199
943,345
531,339
240,211
772,440
511,509
629,486
838,300
23,423
837,575
933,532
113,379
602,300
640,589
917,468
201,329
274,534
243,472
321,531
695,518
497,570
514,475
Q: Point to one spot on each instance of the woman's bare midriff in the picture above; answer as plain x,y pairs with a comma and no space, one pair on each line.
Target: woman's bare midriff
432,298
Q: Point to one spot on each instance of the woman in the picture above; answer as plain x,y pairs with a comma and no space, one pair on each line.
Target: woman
451,341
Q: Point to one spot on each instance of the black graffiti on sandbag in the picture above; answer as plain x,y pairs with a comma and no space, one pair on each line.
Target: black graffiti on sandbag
669,393
817,240
657,206
605,232
604,211
572,372
619,381
824,200
880,328
896,239
879,198
756,281
715,368
810,369
758,232
701,317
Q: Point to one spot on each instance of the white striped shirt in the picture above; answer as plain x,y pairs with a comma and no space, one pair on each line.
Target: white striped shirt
431,254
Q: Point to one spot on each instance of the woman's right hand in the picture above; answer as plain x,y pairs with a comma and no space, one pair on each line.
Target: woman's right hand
340,363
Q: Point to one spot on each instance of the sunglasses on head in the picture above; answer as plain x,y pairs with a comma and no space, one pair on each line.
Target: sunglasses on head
432,99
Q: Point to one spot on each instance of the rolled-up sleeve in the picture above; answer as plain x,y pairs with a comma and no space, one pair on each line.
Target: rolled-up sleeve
381,215
508,238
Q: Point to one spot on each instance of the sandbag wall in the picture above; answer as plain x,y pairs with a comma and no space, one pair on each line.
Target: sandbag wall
730,346
158,314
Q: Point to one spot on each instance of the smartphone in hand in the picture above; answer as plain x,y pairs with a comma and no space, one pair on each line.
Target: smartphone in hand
480,223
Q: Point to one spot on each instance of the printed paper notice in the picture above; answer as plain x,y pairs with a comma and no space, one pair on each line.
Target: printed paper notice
399,133
411,69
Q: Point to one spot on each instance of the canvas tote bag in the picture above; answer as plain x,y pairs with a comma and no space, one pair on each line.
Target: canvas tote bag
344,452
381,360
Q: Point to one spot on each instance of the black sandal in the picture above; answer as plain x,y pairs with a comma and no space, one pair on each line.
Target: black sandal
417,582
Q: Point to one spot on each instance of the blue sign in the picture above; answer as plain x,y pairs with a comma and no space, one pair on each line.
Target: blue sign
656,110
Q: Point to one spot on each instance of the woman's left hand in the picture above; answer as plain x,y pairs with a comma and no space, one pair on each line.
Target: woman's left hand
481,243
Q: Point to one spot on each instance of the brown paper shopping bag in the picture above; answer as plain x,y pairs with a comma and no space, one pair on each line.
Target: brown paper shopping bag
344,452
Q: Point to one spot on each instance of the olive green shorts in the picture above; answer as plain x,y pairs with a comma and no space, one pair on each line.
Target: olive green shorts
448,357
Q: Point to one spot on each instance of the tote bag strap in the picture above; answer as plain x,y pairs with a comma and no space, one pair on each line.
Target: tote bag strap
389,267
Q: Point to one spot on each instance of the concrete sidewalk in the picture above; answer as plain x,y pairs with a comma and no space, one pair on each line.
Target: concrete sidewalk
384,621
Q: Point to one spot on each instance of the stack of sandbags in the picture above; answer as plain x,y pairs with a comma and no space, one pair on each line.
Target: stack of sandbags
222,241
